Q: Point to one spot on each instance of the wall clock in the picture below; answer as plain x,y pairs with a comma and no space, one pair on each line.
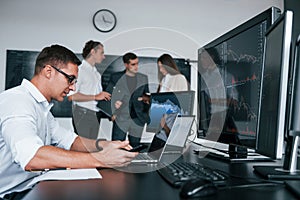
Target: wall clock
104,20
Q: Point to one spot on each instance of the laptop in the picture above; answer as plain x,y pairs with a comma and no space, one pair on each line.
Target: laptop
174,144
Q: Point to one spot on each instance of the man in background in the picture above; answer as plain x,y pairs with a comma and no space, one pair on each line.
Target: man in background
86,115
130,101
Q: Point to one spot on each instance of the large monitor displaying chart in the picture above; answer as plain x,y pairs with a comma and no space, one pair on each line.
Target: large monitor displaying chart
229,82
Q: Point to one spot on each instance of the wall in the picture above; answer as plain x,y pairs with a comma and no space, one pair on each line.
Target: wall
146,27
295,7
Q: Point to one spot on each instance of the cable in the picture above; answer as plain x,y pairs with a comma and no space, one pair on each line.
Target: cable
260,181
192,132
251,185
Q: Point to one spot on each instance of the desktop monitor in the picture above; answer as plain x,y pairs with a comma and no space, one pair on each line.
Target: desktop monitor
229,82
292,139
274,88
295,110
272,133
181,103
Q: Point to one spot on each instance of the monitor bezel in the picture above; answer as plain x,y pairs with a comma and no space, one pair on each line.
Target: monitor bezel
295,108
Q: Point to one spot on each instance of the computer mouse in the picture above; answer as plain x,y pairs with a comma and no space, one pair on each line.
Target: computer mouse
198,188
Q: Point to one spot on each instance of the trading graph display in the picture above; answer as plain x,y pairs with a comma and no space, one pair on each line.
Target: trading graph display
229,81
243,63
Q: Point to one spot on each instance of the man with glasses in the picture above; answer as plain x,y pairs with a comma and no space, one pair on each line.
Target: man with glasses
32,139
71,78
86,115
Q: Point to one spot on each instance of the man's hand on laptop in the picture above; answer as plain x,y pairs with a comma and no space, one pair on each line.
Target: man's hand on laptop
113,154
110,144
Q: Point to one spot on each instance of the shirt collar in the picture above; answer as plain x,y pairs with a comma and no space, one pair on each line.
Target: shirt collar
87,65
36,94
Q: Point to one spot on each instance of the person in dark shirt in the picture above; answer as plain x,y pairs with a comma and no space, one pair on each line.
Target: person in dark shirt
130,101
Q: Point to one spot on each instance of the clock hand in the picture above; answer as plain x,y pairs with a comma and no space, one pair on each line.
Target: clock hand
106,21
103,18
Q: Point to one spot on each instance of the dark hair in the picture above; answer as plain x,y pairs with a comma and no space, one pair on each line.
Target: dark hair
169,64
129,56
55,55
89,46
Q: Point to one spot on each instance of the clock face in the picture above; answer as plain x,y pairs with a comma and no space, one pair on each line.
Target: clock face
104,20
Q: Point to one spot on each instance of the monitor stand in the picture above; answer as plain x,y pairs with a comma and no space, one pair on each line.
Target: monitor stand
276,172
234,154
289,169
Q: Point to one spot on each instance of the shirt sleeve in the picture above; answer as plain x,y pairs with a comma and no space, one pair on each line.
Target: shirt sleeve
19,133
24,131
79,80
60,136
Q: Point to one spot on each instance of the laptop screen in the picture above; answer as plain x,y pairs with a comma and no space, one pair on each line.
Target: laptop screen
156,147
180,102
180,130
176,138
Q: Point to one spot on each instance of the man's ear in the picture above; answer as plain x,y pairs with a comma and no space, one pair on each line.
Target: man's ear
47,71
126,65
93,51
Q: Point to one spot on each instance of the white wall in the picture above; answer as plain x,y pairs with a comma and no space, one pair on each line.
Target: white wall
146,27
179,27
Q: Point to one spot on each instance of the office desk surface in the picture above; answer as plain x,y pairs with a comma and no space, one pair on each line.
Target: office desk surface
143,186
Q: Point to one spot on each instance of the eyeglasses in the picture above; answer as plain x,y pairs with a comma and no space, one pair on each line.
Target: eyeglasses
71,78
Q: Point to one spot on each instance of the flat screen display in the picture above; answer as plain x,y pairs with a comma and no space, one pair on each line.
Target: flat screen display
274,87
229,82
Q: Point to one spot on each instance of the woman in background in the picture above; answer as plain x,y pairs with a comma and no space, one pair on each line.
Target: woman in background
170,80
169,77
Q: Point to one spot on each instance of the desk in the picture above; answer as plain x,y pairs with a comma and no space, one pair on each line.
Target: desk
117,185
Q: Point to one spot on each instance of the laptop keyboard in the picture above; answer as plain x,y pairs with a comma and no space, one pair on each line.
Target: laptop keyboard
143,156
178,173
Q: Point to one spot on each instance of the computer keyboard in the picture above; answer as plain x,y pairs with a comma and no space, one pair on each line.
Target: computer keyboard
178,173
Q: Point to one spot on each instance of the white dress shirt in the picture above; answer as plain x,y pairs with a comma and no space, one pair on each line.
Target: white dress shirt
89,83
26,124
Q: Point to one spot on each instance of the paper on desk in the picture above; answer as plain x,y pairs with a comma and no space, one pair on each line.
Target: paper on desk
68,174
